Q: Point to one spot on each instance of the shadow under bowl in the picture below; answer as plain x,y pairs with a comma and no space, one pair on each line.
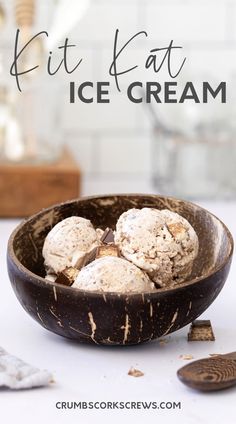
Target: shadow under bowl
112,318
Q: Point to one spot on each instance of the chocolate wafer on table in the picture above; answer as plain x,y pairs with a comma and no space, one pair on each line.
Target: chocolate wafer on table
201,330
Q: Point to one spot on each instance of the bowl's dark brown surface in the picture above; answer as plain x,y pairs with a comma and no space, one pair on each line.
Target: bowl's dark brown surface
110,318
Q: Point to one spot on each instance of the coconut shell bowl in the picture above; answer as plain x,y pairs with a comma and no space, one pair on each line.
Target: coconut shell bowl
112,318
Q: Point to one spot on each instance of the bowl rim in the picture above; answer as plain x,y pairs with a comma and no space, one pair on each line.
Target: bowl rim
47,283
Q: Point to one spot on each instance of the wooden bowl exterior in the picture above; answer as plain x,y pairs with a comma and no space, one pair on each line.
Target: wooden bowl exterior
111,318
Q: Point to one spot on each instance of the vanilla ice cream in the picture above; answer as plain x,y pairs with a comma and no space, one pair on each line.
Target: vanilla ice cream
160,242
112,274
68,243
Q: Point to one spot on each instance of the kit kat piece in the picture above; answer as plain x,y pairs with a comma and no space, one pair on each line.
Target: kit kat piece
107,250
67,276
201,331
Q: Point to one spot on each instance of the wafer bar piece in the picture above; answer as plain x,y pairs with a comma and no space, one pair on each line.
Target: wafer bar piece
107,250
67,276
100,251
108,236
201,331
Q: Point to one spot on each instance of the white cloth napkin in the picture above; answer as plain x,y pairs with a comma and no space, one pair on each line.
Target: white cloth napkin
16,374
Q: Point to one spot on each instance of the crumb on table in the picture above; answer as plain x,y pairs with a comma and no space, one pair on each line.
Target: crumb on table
186,357
135,372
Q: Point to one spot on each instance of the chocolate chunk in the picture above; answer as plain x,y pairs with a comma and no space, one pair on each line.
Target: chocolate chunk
201,330
100,251
108,236
109,250
67,276
89,257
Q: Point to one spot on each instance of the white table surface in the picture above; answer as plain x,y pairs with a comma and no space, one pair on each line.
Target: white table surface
93,373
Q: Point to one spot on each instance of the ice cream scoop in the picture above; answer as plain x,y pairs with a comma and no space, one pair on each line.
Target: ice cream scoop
160,242
112,274
68,243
